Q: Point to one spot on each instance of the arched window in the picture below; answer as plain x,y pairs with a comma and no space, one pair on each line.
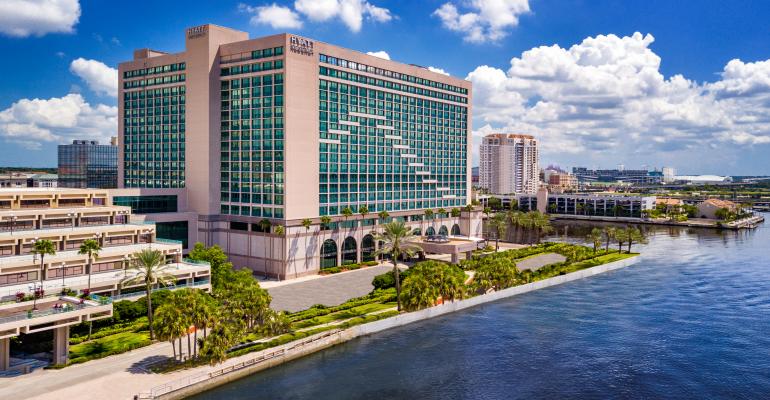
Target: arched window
456,230
417,231
367,248
430,231
443,231
329,254
349,250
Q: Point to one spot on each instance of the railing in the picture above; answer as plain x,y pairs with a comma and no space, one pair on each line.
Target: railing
167,241
182,383
119,297
195,262
37,314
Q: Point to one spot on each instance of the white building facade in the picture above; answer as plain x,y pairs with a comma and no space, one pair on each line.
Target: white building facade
509,164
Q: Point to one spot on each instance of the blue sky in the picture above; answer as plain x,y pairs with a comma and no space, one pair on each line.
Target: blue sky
692,90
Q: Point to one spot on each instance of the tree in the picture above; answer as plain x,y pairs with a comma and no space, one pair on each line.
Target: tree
497,273
515,217
609,236
455,212
495,203
429,280
149,267
42,247
91,248
580,208
347,212
552,208
441,214
325,221
722,214
216,257
616,210
487,211
429,214
468,207
201,311
384,214
513,205
215,346
280,231
634,235
499,225
306,223
621,235
541,223
172,321
364,211
595,237
397,240
265,225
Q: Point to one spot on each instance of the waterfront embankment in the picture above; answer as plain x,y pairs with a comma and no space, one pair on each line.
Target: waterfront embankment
746,223
205,378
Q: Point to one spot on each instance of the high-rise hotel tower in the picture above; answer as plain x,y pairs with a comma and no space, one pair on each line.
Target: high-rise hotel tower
284,128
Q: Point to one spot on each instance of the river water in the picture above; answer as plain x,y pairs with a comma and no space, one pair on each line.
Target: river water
690,320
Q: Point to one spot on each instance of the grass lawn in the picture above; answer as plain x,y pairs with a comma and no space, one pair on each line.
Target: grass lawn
593,262
108,345
344,314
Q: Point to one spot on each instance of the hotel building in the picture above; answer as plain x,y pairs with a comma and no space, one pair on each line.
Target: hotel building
246,132
509,164
88,164
68,217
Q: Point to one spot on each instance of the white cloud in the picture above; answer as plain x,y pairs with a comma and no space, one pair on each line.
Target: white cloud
488,20
438,71
350,12
22,18
99,77
380,54
59,119
605,98
278,17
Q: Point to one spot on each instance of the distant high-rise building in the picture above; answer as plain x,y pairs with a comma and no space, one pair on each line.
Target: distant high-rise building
669,175
88,164
509,164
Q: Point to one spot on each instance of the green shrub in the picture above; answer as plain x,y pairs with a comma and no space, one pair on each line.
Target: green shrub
388,279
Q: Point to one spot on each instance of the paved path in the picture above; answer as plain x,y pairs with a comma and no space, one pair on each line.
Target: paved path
329,290
538,261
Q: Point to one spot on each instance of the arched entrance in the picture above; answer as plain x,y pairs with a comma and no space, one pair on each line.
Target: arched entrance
456,230
430,231
417,232
349,250
367,248
443,231
329,254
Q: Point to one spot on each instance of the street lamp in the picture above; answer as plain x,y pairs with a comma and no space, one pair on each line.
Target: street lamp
34,255
63,269
72,217
36,292
125,265
13,222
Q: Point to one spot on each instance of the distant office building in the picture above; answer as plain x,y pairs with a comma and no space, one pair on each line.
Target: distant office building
509,164
14,180
632,176
475,176
43,181
561,181
88,164
669,175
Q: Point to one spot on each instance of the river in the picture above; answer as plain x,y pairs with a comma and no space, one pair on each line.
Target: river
690,320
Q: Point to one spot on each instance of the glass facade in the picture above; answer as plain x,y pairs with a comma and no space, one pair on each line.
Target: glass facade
173,230
252,138
147,204
87,164
154,137
388,151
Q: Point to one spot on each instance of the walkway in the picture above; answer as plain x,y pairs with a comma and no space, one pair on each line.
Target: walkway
329,290
536,262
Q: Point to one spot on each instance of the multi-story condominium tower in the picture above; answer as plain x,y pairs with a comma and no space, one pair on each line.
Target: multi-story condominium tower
257,133
509,164
67,218
88,164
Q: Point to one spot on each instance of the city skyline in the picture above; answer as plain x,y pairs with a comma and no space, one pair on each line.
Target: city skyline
578,78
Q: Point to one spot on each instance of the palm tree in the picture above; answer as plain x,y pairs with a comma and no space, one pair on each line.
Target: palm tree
552,208
580,208
516,218
325,221
455,212
595,237
609,235
347,212
149,267
541,223
364,211
621,235
616,209
201,312
171,324
499,225
441,214
42,247
91,248
265,226
397,240
384,214
280,231
635,235
487,211
306,223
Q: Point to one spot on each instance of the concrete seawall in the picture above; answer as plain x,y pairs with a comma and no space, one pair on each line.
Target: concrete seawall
251,363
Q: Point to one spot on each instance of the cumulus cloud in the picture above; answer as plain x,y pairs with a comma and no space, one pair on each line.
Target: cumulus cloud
100,78
351,12
29,122
22,18
278,17
438,71
380,54
486,20
606,98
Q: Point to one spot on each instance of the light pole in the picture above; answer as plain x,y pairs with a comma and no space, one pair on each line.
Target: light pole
36,292
72,217
13,222
63,269
125,265
34,255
